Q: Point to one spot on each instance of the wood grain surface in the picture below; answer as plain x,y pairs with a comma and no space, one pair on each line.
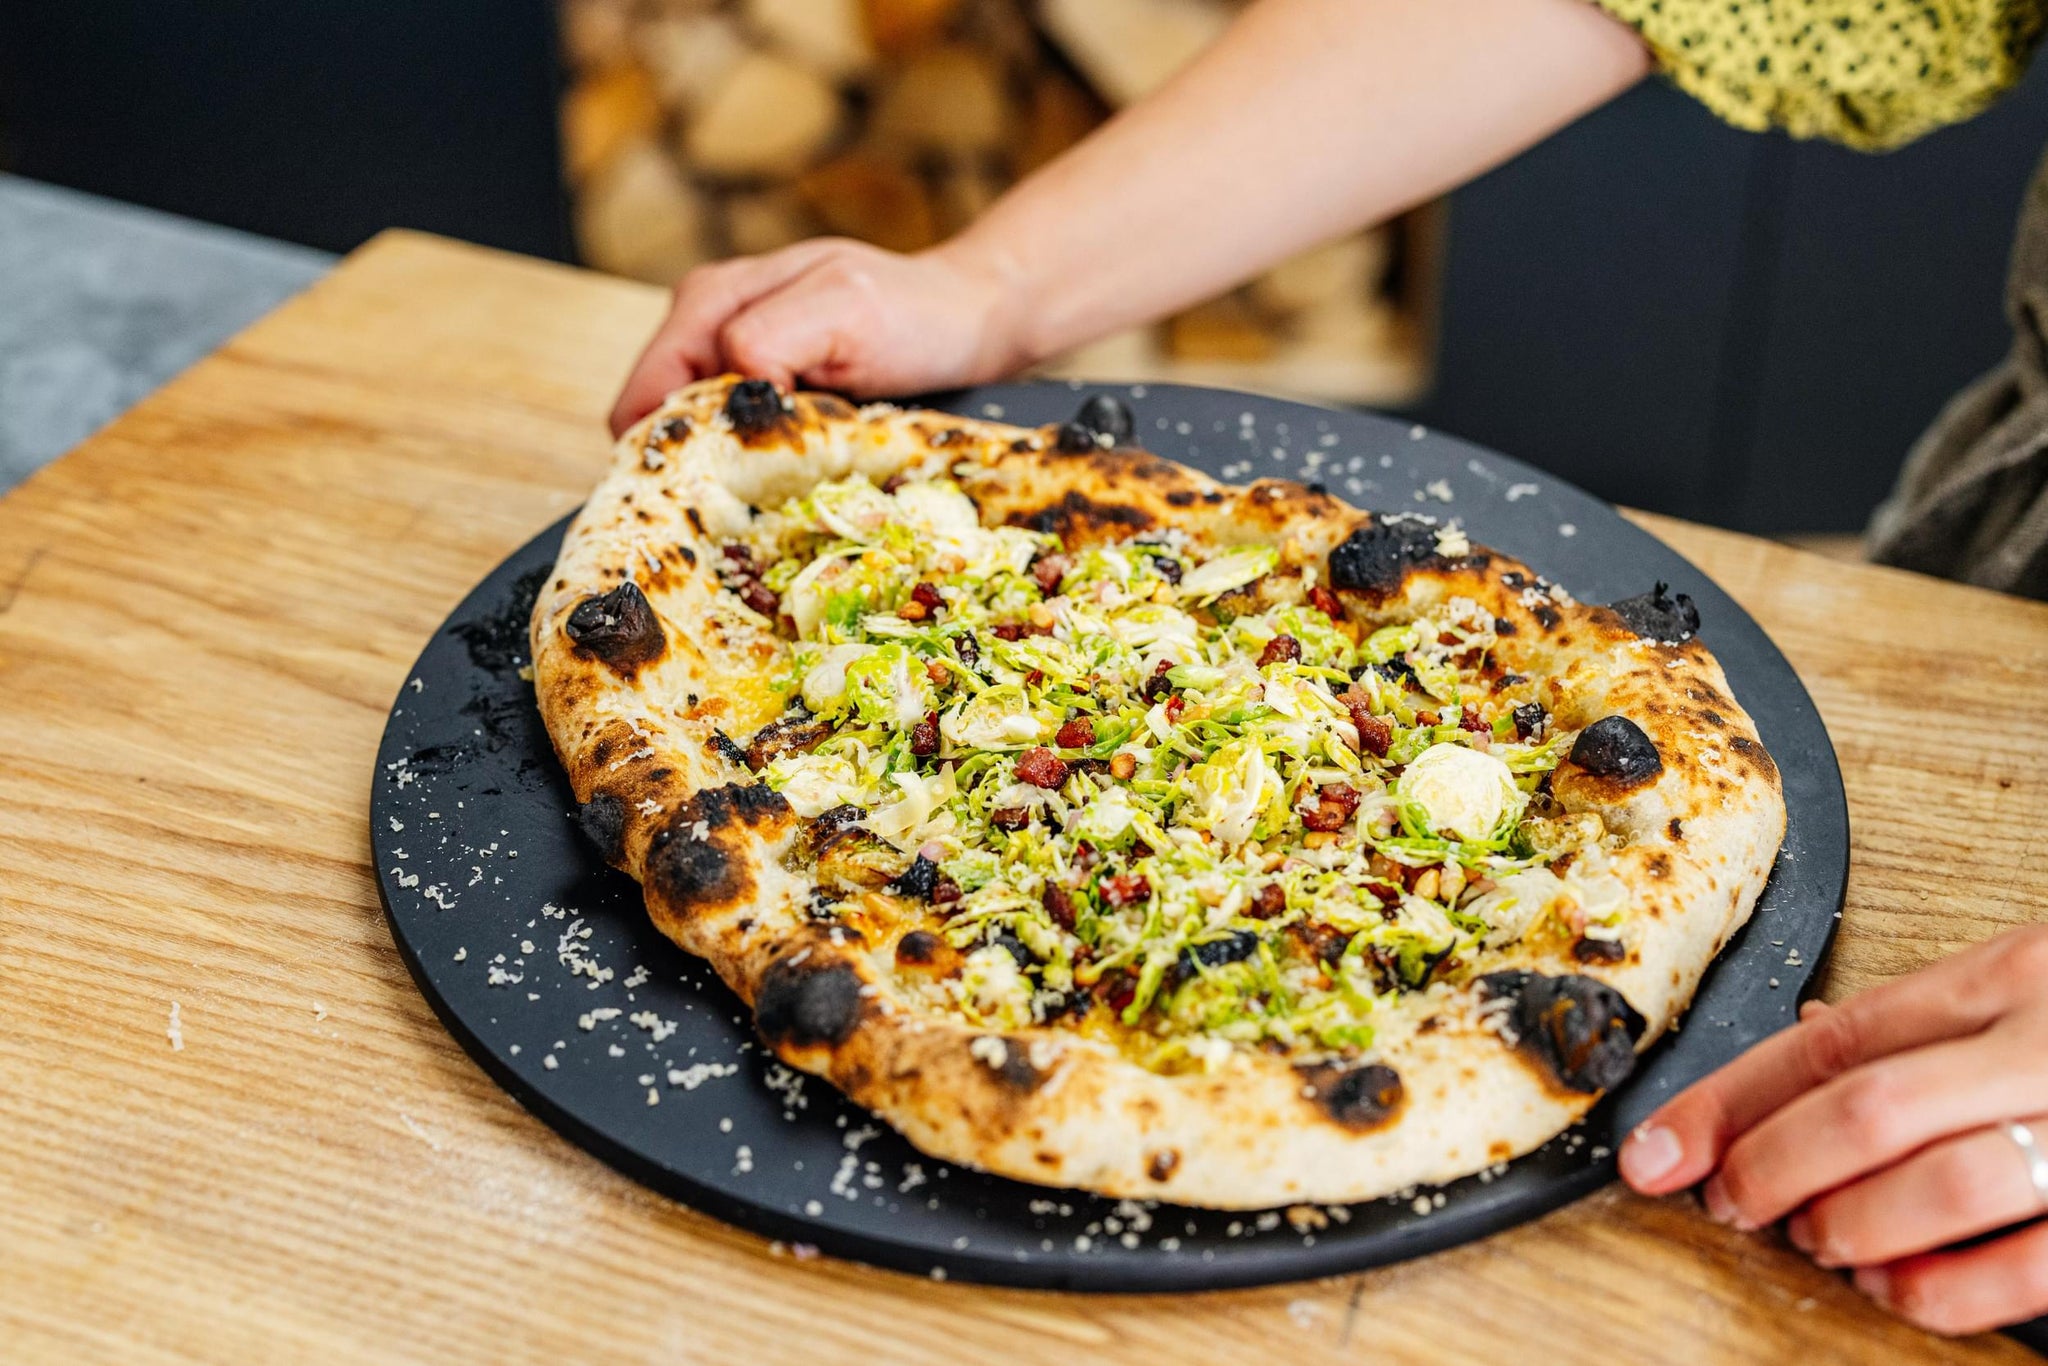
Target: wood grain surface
205,612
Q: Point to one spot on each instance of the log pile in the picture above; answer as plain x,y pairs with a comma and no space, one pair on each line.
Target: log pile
697,129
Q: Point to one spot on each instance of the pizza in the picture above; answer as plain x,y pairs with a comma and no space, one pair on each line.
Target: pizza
1108,827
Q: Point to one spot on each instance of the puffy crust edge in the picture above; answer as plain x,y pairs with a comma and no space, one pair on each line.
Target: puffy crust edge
711,847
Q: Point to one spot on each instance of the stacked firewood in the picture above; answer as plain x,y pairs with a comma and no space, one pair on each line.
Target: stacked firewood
697,129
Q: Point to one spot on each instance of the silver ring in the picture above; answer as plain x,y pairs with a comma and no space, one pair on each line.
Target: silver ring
2030,1149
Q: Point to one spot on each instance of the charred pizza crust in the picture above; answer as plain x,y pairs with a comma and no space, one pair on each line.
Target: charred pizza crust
649,673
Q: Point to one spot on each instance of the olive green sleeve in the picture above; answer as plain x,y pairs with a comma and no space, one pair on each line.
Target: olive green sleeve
1868,73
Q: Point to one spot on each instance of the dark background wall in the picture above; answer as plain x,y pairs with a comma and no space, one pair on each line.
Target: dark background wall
1739,328
317,121
1736,328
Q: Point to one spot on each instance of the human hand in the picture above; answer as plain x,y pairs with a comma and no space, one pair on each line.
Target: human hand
835,313
1878,1126
1176,199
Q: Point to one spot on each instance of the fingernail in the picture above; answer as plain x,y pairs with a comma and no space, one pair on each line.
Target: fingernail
1875,1282
1799,1232
1652,1152
1719,1207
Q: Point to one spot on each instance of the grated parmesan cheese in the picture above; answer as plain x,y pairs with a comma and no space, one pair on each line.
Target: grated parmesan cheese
695,1075
659,1028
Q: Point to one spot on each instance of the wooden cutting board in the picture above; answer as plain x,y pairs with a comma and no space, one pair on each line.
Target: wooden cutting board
234,1132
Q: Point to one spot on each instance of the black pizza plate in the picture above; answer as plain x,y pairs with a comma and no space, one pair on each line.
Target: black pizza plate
543,964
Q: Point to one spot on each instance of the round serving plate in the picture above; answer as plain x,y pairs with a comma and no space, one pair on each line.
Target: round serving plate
541,961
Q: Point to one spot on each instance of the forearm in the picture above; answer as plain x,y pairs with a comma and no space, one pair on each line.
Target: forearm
1308,118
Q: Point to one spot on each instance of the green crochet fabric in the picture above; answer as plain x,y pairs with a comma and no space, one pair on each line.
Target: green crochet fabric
1871,74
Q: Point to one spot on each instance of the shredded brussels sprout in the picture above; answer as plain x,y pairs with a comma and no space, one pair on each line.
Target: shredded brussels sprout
1207,829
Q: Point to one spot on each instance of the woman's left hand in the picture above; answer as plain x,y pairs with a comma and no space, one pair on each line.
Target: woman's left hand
1877,1130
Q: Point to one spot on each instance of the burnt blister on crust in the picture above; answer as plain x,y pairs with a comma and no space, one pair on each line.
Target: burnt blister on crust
1102,421
1659,615
602,820
1616,747
739,803
1375,559
756,410
1016,1069
919,947
806,1003
1071,438
619,629
1359,1097
1753,754
1110,416
1274,503
689,872
1077,517
1012,1066
689,864
1581,1030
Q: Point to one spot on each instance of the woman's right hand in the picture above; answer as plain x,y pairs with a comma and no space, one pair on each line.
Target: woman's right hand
835,313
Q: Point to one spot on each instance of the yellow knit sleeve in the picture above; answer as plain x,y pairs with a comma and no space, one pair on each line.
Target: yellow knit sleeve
1869,73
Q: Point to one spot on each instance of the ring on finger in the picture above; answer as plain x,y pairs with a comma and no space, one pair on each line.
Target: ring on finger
2030,1148
1959,1188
